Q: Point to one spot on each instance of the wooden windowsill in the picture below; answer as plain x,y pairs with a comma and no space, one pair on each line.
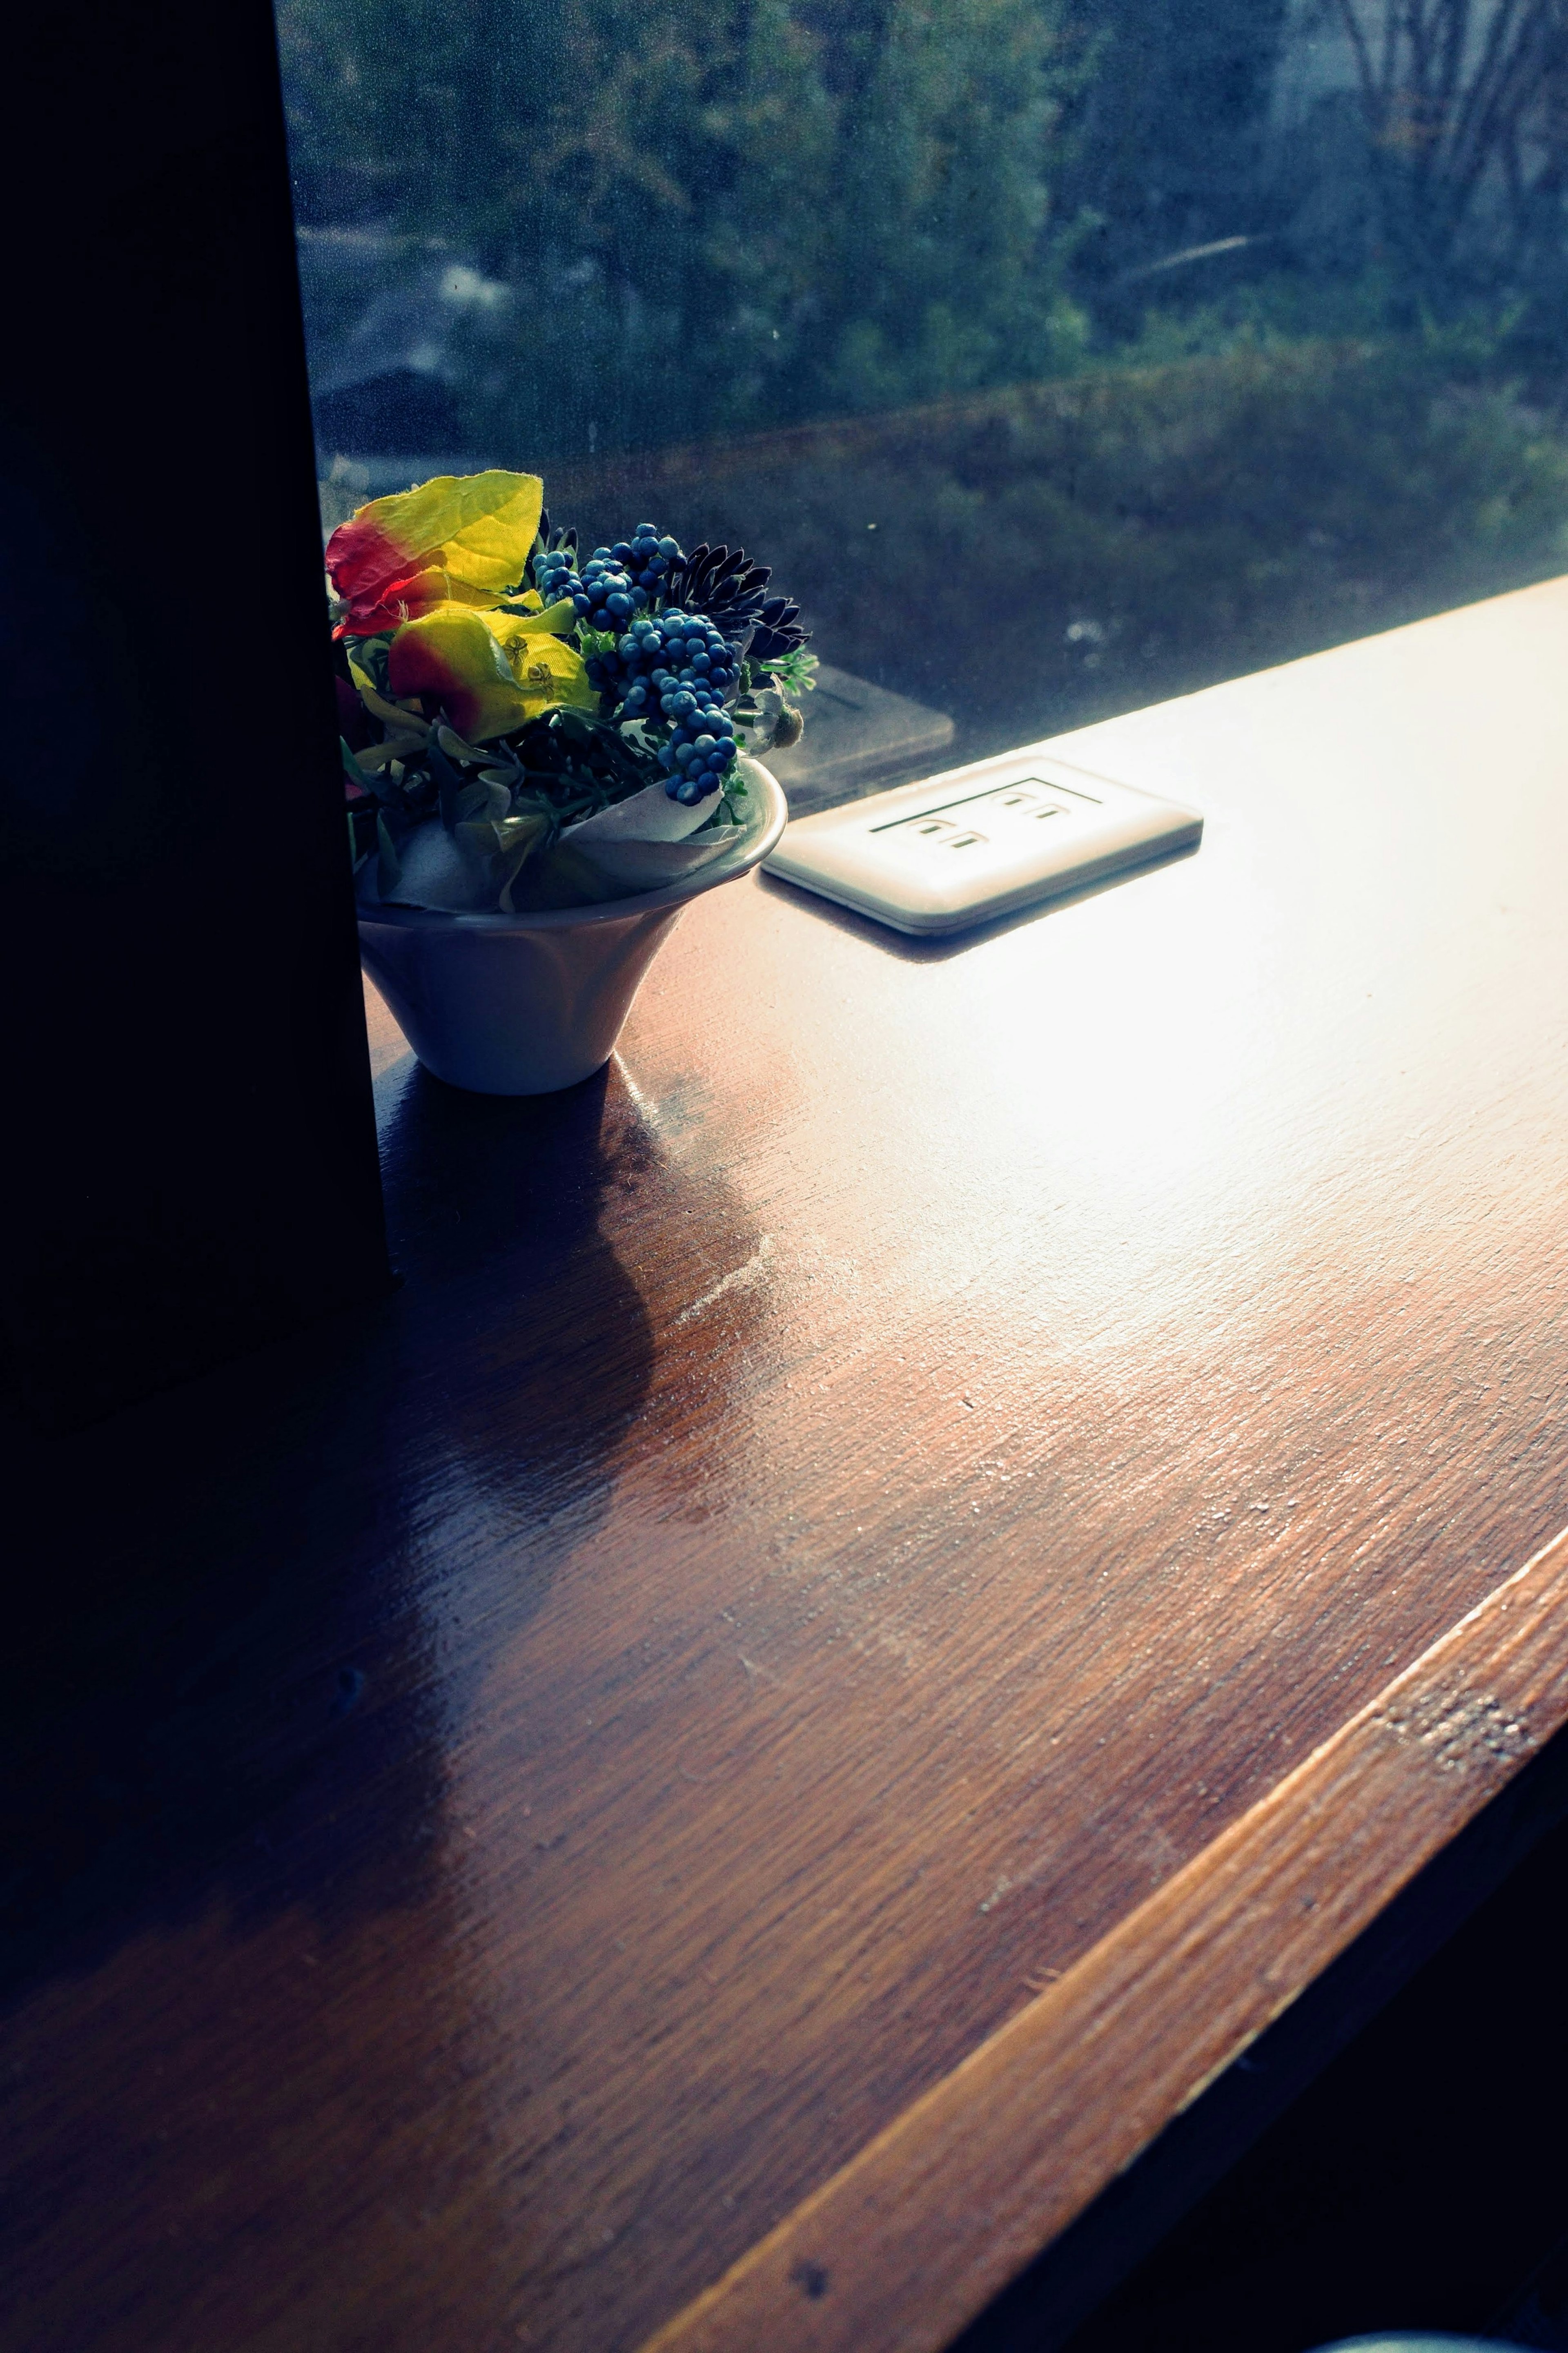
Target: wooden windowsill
903,1572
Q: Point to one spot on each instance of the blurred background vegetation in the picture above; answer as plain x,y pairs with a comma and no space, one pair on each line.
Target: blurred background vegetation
1058,353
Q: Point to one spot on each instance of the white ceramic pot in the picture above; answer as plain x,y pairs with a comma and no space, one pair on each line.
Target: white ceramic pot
520,1005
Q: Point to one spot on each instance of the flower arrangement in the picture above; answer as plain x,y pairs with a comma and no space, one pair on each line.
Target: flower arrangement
524,728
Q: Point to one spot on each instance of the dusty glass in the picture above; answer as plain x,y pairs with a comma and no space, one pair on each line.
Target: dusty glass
1059,354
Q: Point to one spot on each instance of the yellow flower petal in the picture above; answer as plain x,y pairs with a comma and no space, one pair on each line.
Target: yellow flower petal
489,671
452,656
476,528
547,668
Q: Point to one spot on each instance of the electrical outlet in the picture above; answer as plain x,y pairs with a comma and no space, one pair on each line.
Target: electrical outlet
977,842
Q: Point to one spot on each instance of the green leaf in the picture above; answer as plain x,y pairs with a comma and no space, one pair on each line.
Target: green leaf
564,878
368,654
450,783
389,868
519,836
796,673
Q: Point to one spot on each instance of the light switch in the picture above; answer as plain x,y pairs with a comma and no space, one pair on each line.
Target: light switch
981,841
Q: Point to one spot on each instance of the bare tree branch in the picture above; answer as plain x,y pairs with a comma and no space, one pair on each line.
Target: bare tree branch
1466,108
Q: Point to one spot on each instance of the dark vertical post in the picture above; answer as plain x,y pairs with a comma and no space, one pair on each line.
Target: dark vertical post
189,1161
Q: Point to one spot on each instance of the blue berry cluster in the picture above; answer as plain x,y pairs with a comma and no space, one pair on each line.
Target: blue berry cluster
614,582
647,555
605,595
555,576
701,748
674,669
684,647
677,668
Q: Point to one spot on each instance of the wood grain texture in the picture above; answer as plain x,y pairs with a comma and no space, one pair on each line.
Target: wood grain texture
842,1515
926,2224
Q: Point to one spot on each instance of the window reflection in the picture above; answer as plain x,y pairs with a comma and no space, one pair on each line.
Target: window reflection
1062,355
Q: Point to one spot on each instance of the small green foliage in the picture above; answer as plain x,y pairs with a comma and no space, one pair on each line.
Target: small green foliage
370,653
796,673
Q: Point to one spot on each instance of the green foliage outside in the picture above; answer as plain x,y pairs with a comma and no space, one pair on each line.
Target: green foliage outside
895,272
710,217
1086,546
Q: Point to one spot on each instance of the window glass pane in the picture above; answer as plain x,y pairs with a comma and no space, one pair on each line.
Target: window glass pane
1058,355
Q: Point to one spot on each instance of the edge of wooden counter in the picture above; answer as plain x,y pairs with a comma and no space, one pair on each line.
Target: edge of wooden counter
919,2231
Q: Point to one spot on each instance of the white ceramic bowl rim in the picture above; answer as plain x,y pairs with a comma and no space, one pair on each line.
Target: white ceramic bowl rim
723,868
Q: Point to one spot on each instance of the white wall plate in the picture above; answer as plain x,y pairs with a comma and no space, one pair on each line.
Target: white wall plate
981,841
